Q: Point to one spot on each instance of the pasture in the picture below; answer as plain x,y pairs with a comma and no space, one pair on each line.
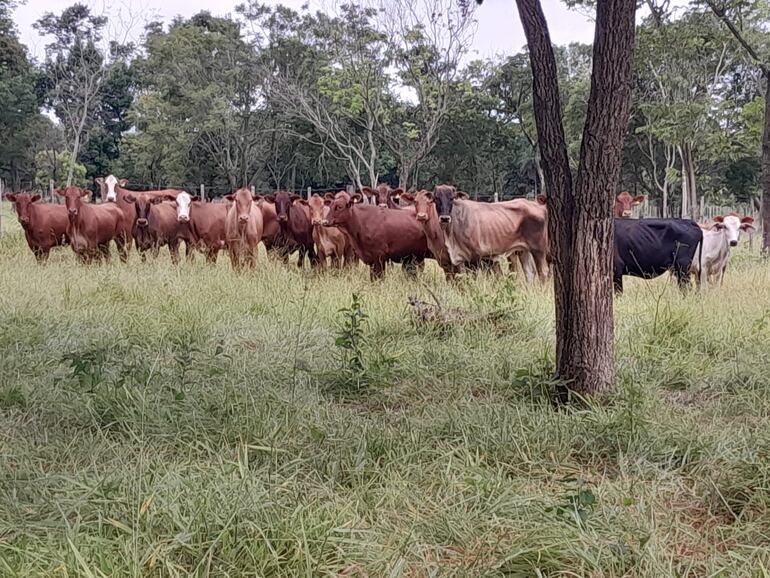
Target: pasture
182,421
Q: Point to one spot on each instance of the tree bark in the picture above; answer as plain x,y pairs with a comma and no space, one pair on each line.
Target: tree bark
580,219
765,211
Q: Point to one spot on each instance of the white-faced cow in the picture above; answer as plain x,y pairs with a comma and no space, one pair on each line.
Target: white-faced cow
717,240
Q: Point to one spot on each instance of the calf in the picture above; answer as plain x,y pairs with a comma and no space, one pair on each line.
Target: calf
625,203
329,242
474,231
157,224
205,223
383,195
92,227
717,240
275,241
379,235
294,221
243,229
649,247
45,226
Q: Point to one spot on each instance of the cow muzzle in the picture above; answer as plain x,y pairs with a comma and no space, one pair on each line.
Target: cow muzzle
73,212
283,218
24,220
383,205
445,219
243,219
422,217
733,243
317,222
326,223
627,214
141,222
112,198
183,219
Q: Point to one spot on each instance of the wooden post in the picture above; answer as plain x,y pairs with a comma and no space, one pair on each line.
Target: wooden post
253,190
309,192
203,192
495,197
702,206
50,191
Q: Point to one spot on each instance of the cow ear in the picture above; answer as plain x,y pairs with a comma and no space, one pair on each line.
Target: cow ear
397,193
541,199
195,198
302,201
356,198
122,182
717,226
462,195
99,180
295,197
430,196
270,199
408,197
747,220
58,192
639,199
718,219
11,197
748,227
159,200
230,198
368,191
328,201
129,198
85,194
256,198
329,196
35,198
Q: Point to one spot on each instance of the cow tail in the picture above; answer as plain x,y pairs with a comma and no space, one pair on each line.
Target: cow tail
700,261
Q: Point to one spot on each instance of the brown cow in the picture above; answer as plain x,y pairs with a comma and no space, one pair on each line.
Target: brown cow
384,195
156,224
624,204
294,220
329,242
474,230
205,221
92,227
379,235
45,226
275,241
243,229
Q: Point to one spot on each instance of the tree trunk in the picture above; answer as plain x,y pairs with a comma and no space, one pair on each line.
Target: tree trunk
765,212
540,173
690,206
580,220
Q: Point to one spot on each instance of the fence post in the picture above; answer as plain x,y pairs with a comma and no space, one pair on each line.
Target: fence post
253,190
309,192
495,198
50,191
203,192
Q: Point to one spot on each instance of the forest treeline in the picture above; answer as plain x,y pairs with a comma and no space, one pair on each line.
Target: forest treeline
274,98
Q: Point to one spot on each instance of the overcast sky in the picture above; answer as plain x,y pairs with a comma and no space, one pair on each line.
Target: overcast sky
499,30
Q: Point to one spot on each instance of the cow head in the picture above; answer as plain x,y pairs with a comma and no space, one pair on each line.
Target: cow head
624,204
22,203
444,196
424,204
283,202
382,194
73,200
243,200
143,205
319,206
107,187
183,202
339,208
732,225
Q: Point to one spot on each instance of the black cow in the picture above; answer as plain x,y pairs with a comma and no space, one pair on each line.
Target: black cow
649,247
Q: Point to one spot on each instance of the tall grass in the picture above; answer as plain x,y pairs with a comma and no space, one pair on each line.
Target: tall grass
161,421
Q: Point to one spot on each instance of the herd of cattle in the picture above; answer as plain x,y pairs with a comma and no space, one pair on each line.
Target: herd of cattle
375,226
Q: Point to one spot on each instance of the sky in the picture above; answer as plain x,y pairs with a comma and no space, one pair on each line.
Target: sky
499,29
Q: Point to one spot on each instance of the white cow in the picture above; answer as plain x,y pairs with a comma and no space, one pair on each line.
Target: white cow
717,240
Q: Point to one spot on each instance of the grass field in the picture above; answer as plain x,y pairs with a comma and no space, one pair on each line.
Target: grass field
171,422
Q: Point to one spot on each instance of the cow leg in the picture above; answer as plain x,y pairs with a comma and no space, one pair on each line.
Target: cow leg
321,257
173,249
105,252
541,264
528,265
409,267
189,252
683,279
122,246
376,270
155,251
41,255
313,257
617,282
